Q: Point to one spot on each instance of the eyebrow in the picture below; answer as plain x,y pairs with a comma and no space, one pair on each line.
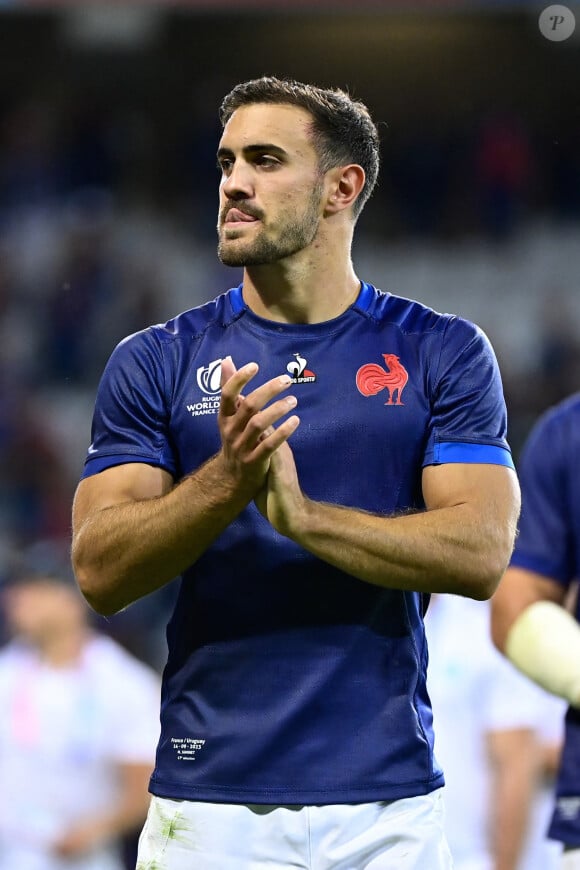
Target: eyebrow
258,148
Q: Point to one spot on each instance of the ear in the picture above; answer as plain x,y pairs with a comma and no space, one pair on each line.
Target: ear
345,184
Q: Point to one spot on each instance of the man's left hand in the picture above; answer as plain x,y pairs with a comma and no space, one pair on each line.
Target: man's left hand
281,500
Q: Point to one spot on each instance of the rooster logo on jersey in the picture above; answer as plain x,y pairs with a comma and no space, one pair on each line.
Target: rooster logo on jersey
372,378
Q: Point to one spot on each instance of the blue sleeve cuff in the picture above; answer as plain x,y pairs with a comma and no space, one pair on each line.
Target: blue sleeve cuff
462,451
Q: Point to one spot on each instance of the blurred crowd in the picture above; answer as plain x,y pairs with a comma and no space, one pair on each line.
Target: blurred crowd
107,225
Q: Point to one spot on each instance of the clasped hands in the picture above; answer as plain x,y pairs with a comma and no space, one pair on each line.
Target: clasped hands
255,450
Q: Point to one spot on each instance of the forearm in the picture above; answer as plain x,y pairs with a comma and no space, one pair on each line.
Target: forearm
544,643
514,782
510,824
444,550
121,817
133,530
128,550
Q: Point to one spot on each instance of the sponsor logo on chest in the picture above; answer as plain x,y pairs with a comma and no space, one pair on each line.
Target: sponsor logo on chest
370,380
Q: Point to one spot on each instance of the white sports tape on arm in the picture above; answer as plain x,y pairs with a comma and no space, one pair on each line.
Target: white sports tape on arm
544,643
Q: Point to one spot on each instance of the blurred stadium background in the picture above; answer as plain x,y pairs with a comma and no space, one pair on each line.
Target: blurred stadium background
108,130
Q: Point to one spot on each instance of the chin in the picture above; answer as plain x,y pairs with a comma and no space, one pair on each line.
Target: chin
230,256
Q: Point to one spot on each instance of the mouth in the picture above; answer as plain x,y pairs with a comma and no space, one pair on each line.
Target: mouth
236,216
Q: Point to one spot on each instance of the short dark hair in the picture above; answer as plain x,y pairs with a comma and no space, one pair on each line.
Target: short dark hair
342,128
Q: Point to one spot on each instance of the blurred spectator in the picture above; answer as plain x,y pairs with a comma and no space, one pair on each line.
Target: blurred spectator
36,485
541,853
504,165
85,284
77,734
97,294
18,334
31,158
559,348
488,722
90,148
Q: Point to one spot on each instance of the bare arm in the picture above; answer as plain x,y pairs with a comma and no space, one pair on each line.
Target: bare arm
460,544
519,589
531,626
514,762
134,530
124,816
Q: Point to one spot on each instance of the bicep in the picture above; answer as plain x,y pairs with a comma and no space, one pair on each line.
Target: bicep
134,481
476,507
492,490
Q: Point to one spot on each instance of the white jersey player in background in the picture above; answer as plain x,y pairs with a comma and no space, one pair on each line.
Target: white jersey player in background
78,732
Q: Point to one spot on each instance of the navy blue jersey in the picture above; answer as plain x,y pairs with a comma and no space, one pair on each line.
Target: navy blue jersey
288,680
549,544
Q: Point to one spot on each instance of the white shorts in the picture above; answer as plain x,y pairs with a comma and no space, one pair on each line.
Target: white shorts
405,834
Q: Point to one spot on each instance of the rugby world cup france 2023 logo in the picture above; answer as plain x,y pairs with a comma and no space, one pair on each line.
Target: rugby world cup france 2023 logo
209,381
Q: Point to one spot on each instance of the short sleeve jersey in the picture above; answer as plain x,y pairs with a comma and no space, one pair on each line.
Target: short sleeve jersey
288,680
549,544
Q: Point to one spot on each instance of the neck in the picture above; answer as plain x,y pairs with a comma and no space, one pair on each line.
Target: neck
312,286
63,649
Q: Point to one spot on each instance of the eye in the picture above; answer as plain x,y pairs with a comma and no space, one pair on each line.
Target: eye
225,164
266,161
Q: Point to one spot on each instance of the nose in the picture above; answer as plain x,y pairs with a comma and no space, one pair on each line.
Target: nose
237,183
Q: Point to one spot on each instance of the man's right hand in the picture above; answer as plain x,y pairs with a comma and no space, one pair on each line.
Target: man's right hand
246,423
135,528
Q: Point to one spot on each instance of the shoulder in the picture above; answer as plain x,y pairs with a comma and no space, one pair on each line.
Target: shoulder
415,317
152,354
187,325
15,659
192,323
563,417
16,652
557,430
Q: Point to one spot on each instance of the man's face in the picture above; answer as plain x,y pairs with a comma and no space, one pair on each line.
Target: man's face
271,188
41,609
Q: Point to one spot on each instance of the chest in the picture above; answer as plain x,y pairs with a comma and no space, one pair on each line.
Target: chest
363,403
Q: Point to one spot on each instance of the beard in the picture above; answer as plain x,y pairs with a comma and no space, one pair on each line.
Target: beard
294,234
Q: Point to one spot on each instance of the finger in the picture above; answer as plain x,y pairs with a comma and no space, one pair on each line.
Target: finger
228,369
256,401
233,385
276,437
261,424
